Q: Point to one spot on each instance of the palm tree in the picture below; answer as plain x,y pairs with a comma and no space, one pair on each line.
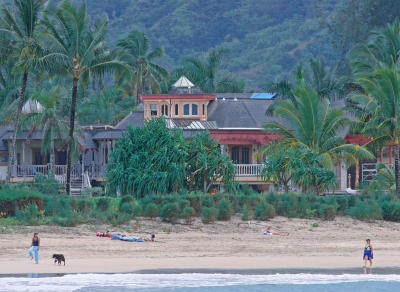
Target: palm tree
310,122
49,120
207,74
76,49
381,49
380,102
105,107
20,27
134,50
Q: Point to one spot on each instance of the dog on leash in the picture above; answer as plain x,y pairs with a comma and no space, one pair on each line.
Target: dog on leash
59,258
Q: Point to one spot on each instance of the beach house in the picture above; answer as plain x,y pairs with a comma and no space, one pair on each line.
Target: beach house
233,119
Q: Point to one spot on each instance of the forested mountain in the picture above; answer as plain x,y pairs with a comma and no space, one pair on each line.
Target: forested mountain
267,38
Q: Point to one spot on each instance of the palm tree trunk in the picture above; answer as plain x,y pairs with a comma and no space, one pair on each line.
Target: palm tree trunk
397,169
12,153
52,156
71,133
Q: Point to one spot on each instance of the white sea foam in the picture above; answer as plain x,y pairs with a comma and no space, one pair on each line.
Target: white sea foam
151,281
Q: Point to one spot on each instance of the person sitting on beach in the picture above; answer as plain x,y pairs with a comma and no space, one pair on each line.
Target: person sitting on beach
269,231
35,247
368,255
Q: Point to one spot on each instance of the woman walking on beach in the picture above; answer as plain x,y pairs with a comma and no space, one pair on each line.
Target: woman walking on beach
368,256
35,247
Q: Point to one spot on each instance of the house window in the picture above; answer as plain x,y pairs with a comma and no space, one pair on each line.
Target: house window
176,109
204,110
37,157
194,110
153,109
191,109
164,110
245,155
235,154
186,109
4,158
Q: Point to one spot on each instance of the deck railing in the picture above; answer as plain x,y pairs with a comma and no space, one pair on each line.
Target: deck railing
60,171
248,169
368,170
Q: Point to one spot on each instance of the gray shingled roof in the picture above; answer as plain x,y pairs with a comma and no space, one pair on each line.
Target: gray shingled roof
3,143
108,134
86,141
134,119
240,113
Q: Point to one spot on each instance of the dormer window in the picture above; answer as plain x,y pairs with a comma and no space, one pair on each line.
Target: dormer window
190,109
164,110
153,109
186,109
194,109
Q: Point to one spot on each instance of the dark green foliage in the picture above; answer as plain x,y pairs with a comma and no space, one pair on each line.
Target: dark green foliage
328,212
206,163
188,214
208,215
29,214
151,210
103,204
224,210
148,159
170,212
366,210
18,198
245,213
264,211
46,184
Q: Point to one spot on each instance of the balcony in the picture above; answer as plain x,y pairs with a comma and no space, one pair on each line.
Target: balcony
243,170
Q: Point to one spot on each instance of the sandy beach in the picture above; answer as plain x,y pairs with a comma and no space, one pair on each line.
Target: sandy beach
223,245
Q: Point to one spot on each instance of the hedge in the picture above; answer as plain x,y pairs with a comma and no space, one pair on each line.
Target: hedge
12,199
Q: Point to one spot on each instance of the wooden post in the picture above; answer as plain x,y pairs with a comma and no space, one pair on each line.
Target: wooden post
349,180
357,175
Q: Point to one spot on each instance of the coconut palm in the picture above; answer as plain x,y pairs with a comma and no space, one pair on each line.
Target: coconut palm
20,28
380,101
106,107
310,122
207,73
75,49
135,51
381,49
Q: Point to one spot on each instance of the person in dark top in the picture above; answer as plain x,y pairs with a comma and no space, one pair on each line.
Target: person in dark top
368,255
35,247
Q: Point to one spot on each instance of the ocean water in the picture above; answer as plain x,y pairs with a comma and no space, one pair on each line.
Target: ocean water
203,282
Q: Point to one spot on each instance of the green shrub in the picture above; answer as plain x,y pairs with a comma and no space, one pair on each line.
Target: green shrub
126,199
208,214
328,212
208,202
84,206
93,192
188,214
9,221
103,204
366,210
151,210
69,221
170,212
264,211
224,210
12,199
182,204
29,214
245,213
47,184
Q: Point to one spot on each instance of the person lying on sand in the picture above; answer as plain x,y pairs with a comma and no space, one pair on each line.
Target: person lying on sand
269,231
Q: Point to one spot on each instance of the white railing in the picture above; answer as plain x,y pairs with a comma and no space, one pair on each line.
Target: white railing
368,170
60,171
248,169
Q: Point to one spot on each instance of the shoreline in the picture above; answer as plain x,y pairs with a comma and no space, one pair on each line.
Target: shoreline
268,271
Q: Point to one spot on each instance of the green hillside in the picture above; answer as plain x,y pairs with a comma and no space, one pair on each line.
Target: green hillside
267,38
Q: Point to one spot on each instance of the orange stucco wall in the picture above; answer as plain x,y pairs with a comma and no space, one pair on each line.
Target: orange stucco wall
171,108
